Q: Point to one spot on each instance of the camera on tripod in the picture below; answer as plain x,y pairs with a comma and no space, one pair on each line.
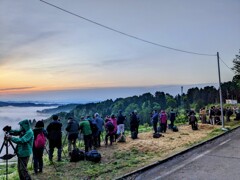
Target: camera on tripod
7,129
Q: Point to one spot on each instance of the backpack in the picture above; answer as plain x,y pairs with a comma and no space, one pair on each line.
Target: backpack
93,156
77,155
156,135
110,126
175,129
40,141
163,118
94,126
122,138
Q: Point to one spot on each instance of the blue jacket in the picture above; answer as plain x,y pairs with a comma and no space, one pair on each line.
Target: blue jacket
155,117
100,124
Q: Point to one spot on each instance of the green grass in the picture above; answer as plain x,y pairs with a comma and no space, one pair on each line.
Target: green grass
113,165
121,161
12,169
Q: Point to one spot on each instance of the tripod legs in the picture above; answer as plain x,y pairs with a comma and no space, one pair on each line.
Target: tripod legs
52,161
22,162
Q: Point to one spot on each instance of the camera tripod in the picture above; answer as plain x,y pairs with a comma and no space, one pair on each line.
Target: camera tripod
7,156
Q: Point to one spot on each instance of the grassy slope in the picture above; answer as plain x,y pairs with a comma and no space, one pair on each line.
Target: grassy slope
123,158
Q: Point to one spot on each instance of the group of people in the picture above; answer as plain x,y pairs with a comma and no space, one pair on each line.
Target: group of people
214,114
161,118
89,128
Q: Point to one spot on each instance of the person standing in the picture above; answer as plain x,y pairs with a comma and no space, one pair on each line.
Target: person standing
229,113
24,147
193,120
87,133
163,121
114,121
155,120
38,151
203,115
72,129
172,118
212,115
54,130
138,120
134,125
100,125
109,127
120,123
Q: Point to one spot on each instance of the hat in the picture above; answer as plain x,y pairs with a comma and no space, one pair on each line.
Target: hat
96,114
39,124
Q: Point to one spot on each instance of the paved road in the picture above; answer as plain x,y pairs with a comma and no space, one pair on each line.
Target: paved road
218,160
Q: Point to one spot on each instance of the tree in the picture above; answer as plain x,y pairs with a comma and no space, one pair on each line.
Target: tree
193,94
236,64
171,102
161,99
236,68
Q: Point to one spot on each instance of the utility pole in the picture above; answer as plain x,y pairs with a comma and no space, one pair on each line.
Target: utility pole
220,92
181,100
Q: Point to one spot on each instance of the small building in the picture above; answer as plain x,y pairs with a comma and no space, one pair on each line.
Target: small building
231,101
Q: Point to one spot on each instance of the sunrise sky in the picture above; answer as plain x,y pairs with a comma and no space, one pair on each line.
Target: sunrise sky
43,48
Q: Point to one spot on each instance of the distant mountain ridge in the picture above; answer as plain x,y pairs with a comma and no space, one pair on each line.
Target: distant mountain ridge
25,104
88,95
62,108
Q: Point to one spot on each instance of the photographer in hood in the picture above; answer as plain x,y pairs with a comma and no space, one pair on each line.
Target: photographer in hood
24,147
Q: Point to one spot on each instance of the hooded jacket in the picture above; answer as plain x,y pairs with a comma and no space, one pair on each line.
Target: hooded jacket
72,129
25,140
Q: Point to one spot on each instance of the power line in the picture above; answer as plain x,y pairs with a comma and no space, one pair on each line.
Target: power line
125,34
225,64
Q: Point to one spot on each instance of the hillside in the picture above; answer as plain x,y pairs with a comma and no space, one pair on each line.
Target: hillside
62,108
121,158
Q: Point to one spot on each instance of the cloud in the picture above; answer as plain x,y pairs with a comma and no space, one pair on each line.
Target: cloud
20,46
16,88
114,62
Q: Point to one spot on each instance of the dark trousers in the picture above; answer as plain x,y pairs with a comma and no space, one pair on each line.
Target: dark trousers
95,141
87,142
134,128
52,145
155,127
163,127
99,139
111,138
22,168
38,159
227,118
172,123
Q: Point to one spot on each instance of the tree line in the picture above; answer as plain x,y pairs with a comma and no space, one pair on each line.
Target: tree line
144,104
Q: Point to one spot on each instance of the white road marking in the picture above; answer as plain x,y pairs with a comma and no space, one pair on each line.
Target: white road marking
189,161
224,142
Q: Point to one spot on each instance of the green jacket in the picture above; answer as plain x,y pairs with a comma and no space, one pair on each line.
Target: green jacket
25,140
85,127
